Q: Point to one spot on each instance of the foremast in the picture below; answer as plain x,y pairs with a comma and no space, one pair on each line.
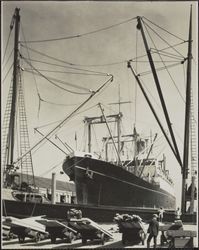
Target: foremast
15,113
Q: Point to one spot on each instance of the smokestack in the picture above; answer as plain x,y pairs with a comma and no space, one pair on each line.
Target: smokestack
53,188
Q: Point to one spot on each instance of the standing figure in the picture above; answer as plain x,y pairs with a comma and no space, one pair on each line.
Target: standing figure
161,214
153,231
178,214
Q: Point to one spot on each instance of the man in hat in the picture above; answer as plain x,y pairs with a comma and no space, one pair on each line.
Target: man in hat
153,231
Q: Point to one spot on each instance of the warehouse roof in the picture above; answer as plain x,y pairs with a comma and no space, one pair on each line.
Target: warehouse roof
42,182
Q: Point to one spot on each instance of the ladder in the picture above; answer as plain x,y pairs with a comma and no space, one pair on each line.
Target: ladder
26,162
194,152
5,132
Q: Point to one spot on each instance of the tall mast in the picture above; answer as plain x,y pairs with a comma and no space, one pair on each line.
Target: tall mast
14,93
187,117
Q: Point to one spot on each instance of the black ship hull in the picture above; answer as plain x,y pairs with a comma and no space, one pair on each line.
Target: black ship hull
102,183
20,209
57,211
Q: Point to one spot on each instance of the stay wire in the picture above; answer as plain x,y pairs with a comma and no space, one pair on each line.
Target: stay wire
53,83
43,54
168,47
81,35
7,73
146,88
46,125
164,29
37,89
54,167
64,72
145,24
166,67
8,58
7,45
97,73
65,62
60,104
159,69
63,82
167,54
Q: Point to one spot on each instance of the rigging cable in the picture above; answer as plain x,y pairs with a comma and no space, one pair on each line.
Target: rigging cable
167,54
63,82
65,72
8,58
58,65
166,67
97,73
53,167
46,125
89,65
83,34
61,104
163,38
53,83
7,45
168,47
159,69
146,89
43,54
164,29
62,61
37,89
7,73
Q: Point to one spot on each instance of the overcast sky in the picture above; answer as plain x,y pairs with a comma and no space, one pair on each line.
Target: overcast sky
47,20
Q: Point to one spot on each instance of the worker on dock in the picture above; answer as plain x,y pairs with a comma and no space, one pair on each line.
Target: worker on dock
153,230
178,214
161,214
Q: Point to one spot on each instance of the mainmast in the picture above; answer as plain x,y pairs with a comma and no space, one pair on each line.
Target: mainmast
11,134
187,117
10,116
15,124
